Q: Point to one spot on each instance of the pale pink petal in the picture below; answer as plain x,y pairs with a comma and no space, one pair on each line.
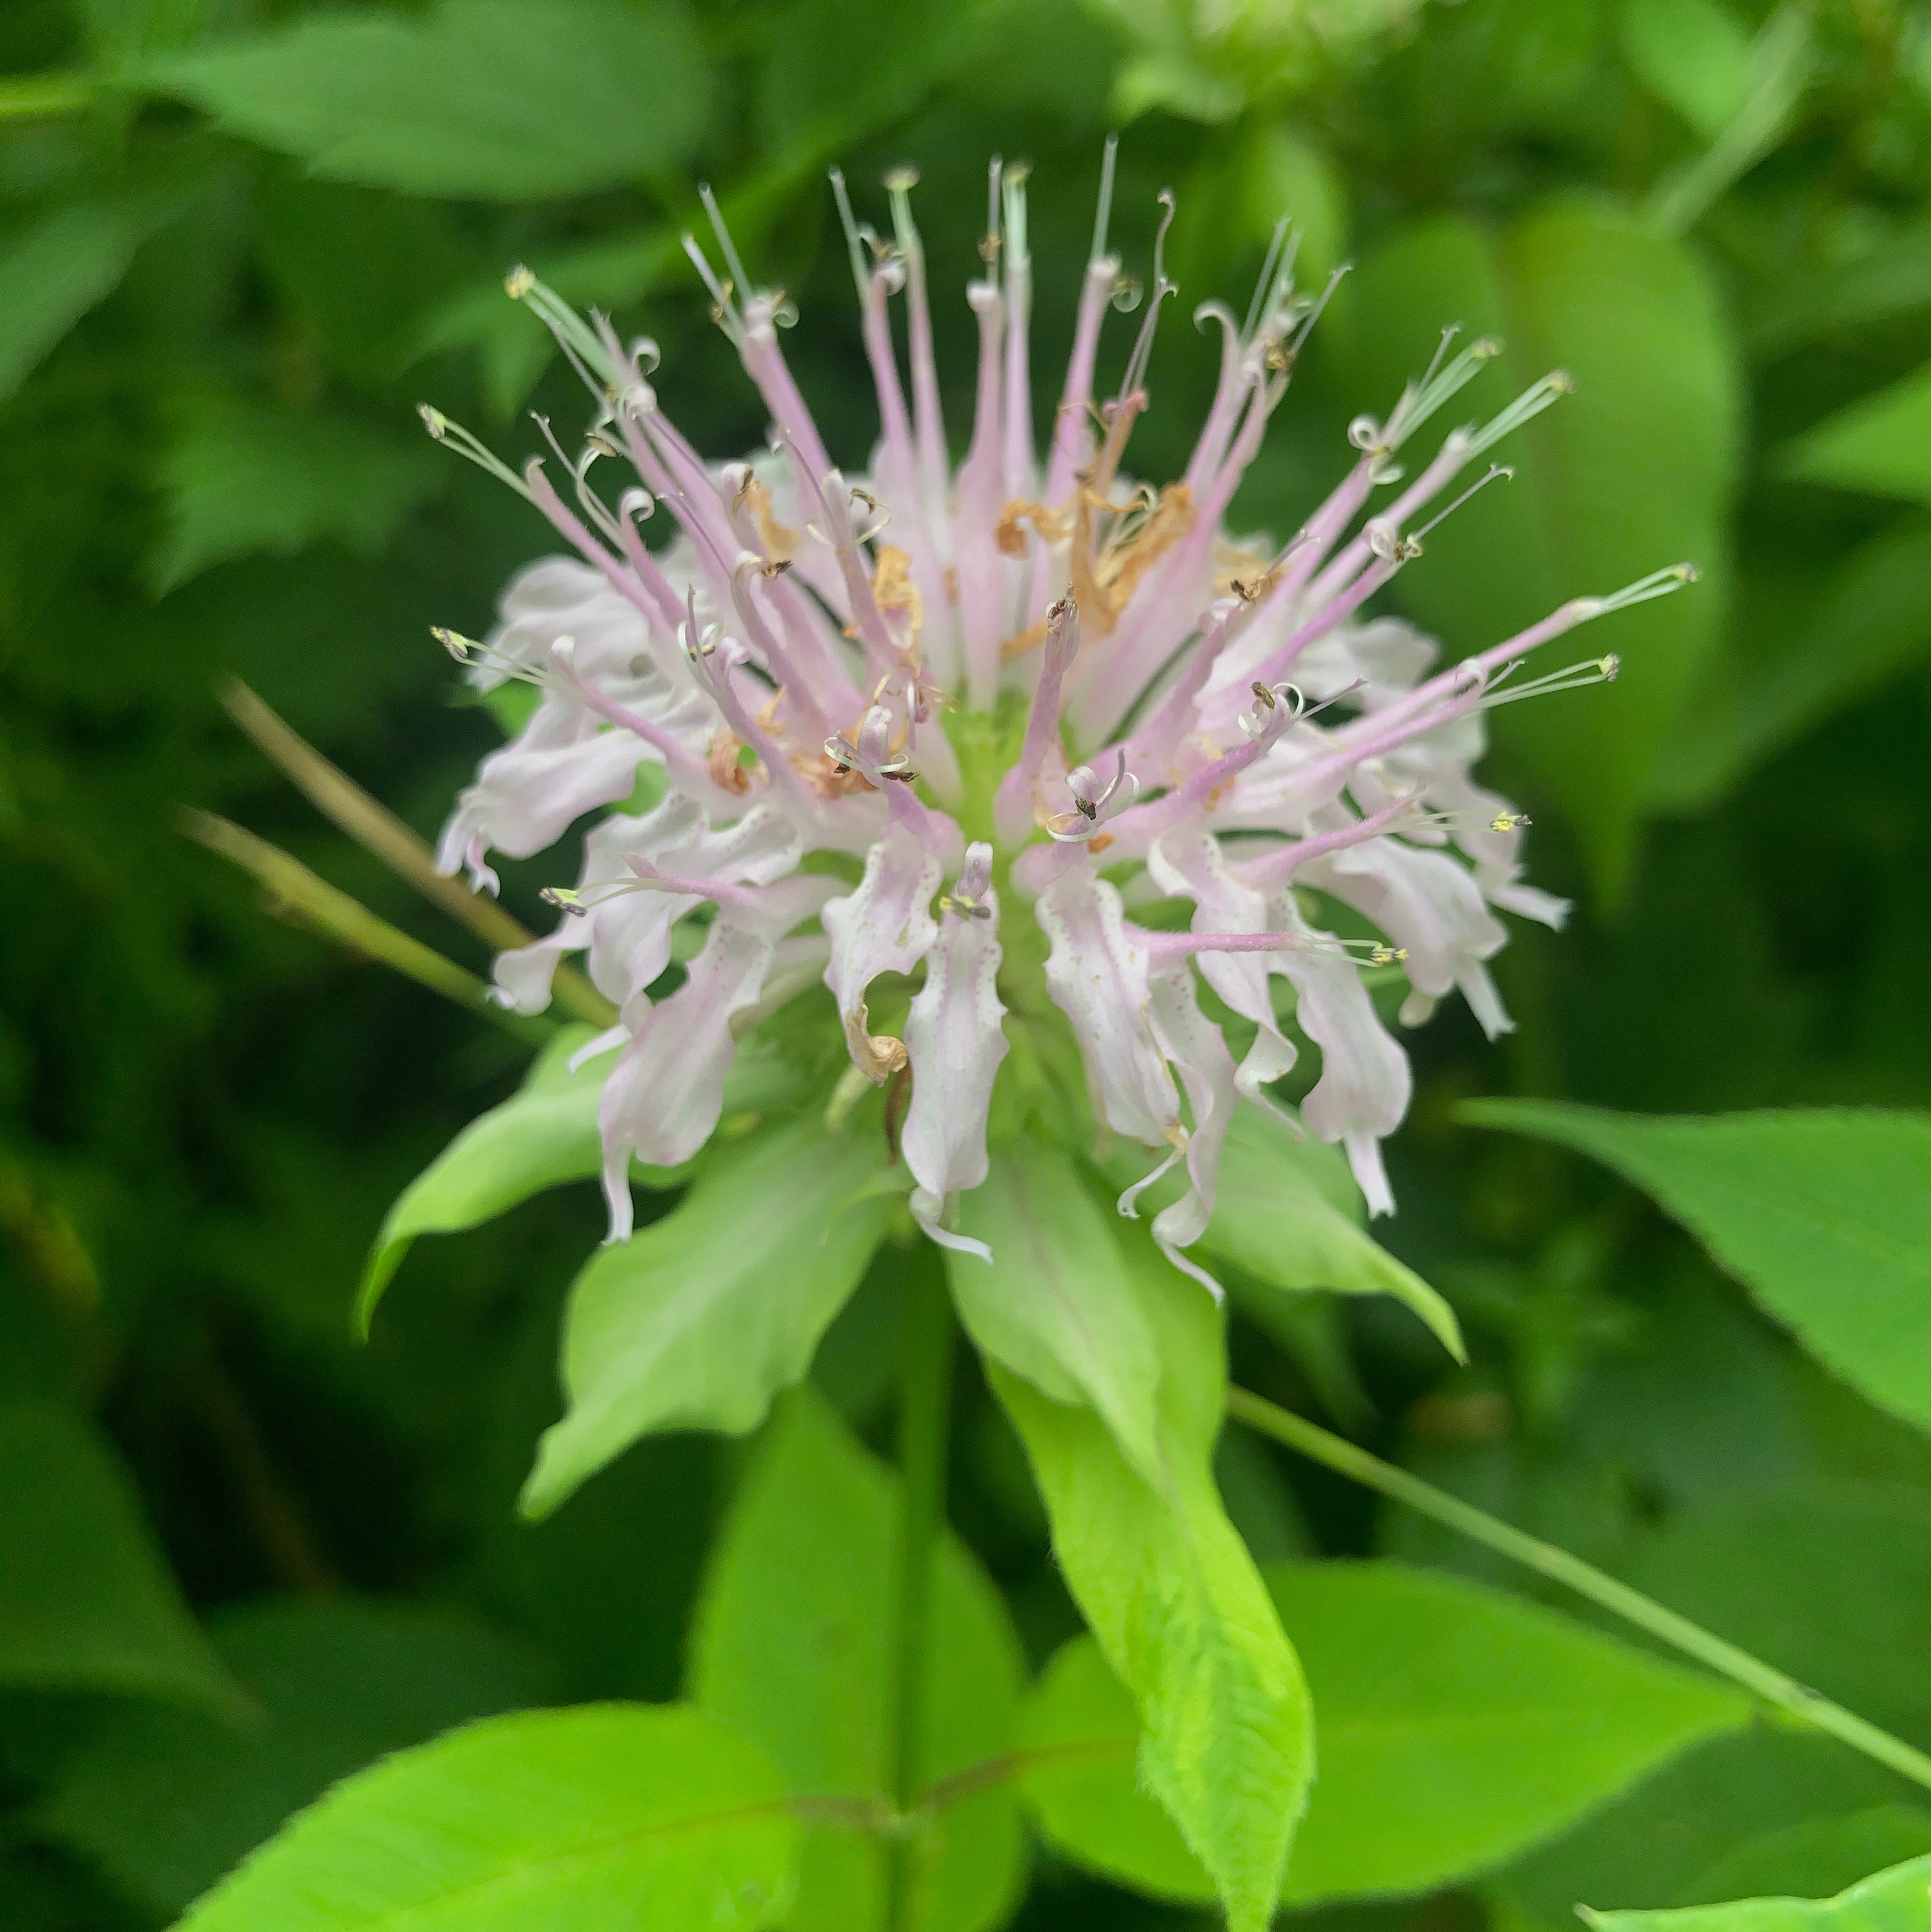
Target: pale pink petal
954,1036
662,1100
1194,1046
1097,976
1365,1083
1189,863
885,926
1427,905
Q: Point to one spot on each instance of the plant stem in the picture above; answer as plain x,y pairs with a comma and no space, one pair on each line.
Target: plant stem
1797,1701
377,829
924,1414
38,97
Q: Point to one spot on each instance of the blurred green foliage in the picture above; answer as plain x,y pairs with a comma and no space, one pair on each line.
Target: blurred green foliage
238,242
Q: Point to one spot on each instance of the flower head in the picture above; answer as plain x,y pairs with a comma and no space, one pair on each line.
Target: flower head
942,729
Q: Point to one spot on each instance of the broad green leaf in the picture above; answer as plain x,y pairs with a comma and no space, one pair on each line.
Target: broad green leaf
605,1818
1818,1857
1287,1212
1889,276
543,1136
57,268
701,1318
86,1600
1454,1726
814,100
1693,55
504,100
164,1801
1823,1215
1897,1901
1880,445
1650,1846
357,267
792,1644
1872,621
1832,1584
1632,473
1169,1590
115,29
1053,1306
239,478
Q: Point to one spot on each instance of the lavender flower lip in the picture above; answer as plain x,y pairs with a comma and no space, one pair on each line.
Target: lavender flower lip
1174,713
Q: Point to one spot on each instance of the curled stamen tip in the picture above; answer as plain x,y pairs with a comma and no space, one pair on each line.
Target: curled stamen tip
1388,955
1562,382
1508,821
458,646
1485,348
433,420
518,282
901,179
565,901
1610,667
1686,572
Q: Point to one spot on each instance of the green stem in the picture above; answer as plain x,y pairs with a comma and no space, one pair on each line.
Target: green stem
1797,1701
924,1414
39,96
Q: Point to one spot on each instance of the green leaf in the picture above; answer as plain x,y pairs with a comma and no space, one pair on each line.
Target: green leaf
1692,55
1287,1212
165,1802
792,1644
240,479
1819,1856
1632,473
1891,1901
86,1600
815,100
701,1318
1053,1307
1169,1590
1880,445
606,1818
1823,1215
57,268
1648,1847
1872,621
1832,1584
543,1136
503,100
1481,1723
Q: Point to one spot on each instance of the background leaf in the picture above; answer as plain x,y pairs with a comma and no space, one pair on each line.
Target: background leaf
1880,445
1632,473
57,267
792,1643
1825,1217
1871,620
699,1319
1892,1901
505,100
1819,1857
1454,1726
86,1600
609,1815
165,1802
238,478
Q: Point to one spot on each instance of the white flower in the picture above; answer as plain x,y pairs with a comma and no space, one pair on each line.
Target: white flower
1030,689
